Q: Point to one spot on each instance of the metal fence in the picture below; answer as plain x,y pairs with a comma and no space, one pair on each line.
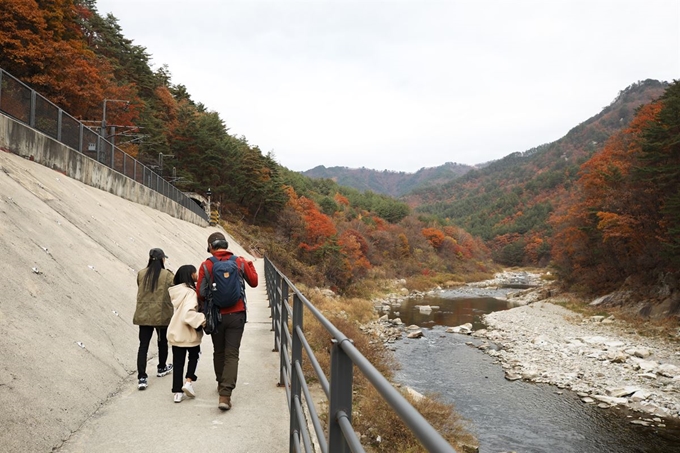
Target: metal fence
290,342
26,105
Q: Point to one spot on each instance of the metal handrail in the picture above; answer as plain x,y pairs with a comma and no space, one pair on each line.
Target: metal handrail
344,357
21,102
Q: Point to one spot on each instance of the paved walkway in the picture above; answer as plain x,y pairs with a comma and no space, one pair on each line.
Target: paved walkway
150,421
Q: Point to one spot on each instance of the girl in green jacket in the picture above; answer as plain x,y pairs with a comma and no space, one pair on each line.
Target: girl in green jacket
153,312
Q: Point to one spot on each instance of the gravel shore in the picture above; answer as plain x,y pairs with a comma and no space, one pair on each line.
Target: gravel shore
605,360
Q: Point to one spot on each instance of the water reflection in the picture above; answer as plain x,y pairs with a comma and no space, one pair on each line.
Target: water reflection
506,415
448,312
519,416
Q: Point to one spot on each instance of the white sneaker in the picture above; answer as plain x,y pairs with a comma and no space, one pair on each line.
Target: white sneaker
188,389
179,397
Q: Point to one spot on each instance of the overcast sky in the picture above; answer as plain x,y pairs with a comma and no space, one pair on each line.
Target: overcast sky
401,85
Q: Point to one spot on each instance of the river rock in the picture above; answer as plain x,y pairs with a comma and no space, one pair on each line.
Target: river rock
668,370
424,309
416,334
622,391
647,366
510,376
617,356
414,394
465,329
640,395
593,358
641,353
610,399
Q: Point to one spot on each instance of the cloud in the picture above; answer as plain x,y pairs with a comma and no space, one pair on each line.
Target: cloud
400,85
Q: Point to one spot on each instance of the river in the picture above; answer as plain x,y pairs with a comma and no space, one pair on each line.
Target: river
509,416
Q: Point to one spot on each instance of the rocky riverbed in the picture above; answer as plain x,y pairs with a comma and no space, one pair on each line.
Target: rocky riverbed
606,361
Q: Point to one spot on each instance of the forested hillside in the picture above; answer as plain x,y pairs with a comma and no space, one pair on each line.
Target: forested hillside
316,231
508,203
621,222
388,182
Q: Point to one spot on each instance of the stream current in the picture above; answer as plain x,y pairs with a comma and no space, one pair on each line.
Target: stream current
509,416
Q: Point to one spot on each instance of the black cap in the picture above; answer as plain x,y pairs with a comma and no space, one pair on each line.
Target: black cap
157,254
217,241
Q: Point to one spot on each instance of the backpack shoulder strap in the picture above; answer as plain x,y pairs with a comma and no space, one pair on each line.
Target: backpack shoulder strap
206,272
205,289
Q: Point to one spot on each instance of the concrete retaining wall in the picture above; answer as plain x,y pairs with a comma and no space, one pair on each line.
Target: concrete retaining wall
69,255
20,139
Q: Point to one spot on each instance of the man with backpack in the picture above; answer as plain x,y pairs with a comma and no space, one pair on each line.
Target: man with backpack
221,278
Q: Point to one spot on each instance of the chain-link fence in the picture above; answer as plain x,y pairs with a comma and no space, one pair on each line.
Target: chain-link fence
26,105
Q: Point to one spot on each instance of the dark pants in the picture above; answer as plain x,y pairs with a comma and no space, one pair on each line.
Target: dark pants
226,343
145,334
178,355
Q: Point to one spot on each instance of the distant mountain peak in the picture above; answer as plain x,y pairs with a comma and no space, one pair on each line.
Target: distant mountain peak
389,182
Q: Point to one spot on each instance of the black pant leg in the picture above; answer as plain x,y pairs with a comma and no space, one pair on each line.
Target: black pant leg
145,334
194,353
162,333
178,354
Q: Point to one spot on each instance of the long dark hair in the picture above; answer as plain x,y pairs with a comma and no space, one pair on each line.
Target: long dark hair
153,272
184,275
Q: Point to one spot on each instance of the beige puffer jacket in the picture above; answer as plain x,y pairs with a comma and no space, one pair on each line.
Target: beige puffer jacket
186,319
153,308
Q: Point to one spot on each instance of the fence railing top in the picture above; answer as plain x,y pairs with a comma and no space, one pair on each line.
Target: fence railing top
175,195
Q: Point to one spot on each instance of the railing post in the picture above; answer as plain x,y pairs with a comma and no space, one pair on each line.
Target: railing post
80,138
342,376
283,323
59,124
1,71
295,388
31,116
283,338
275,303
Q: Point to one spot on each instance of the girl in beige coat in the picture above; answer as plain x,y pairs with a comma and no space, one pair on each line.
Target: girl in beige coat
185,331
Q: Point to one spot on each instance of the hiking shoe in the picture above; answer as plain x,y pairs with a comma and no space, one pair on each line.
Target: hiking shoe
188,389
225,403
179,397
164,371
142,384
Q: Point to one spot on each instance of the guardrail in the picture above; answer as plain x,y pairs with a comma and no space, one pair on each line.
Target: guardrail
338,390
24,104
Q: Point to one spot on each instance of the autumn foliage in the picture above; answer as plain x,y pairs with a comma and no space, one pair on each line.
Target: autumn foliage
623,219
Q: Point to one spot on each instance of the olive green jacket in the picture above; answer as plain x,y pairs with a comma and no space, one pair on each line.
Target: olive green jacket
154,308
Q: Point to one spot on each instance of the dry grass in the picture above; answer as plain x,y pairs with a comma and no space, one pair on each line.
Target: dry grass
385,432
372,416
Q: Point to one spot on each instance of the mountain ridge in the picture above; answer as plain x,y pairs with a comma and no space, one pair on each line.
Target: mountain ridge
401,184
389,182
